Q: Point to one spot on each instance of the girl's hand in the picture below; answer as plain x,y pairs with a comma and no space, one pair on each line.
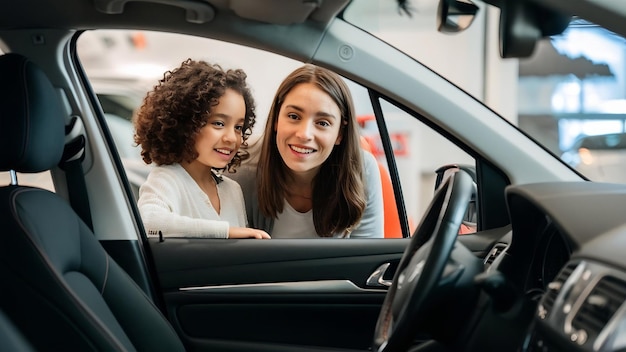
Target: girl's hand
245,232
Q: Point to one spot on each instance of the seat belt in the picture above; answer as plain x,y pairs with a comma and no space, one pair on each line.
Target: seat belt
72,164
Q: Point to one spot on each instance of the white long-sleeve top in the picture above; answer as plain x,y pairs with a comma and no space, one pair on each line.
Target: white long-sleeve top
171,201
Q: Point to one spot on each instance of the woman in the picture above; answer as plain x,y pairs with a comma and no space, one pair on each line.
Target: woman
191,126
313,179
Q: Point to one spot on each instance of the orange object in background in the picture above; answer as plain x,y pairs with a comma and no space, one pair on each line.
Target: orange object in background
138,40
467,229
392,219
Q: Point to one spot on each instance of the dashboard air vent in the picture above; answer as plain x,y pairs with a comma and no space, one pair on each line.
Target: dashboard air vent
555,286
497,249
600,305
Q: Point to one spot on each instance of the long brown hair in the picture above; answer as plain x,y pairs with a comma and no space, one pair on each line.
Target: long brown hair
338,188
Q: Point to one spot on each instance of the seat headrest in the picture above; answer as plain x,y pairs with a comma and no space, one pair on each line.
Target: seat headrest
32,123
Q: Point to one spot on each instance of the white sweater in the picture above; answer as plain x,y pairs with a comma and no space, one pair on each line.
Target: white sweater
171,201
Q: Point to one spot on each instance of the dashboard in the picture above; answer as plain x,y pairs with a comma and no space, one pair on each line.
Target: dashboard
567,254
552,252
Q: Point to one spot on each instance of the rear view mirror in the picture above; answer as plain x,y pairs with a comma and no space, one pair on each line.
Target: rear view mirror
455,16
523,23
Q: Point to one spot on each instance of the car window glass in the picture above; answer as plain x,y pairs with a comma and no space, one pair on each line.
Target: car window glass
577,109
123,66
569,90
418,150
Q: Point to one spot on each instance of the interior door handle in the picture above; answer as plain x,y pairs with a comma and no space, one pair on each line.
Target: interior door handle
376,278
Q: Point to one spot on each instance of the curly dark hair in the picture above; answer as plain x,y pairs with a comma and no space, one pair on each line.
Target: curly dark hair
172,114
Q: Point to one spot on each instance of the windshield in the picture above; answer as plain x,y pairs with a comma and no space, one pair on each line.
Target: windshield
570,90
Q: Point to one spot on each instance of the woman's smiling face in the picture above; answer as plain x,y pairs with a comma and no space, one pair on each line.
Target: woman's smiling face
308,127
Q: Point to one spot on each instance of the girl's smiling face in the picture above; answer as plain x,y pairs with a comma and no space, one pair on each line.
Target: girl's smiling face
308,127
219,140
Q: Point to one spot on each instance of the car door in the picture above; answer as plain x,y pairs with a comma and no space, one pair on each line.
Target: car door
294,294
307,294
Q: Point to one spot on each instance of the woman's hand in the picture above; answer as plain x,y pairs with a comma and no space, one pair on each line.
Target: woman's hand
245,232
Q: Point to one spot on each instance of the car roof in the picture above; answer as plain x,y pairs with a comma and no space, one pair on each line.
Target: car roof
87,14
236,16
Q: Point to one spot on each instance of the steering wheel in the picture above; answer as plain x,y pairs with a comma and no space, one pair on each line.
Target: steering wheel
425,272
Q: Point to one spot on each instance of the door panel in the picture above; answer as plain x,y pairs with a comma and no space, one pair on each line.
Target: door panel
279,295
299,292
201,262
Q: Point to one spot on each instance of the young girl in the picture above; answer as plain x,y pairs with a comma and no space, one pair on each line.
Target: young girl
191,125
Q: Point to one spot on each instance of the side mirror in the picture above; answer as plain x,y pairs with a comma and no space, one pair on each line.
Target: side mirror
455,16
470,219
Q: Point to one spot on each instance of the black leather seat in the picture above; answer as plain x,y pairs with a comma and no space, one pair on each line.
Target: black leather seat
57,284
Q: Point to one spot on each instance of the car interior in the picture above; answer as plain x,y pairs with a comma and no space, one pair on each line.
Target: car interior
493,242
